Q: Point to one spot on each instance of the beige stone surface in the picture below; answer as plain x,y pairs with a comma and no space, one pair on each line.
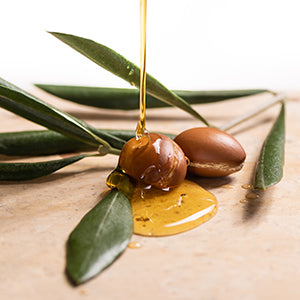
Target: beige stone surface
247,251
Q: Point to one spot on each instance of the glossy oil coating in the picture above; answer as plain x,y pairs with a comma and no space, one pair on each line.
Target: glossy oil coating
155,160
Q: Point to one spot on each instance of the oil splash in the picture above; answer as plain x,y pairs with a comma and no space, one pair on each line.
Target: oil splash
162,213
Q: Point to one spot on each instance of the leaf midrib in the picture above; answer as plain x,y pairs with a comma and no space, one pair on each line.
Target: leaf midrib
101,226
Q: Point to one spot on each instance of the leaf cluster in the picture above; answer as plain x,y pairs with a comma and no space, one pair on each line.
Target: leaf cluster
103,234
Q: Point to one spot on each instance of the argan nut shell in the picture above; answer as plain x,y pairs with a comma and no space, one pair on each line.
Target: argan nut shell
212,152
155,160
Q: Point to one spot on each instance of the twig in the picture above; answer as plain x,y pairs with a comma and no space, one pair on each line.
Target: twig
277,98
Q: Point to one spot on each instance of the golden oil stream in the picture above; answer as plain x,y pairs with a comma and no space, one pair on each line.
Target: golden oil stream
141,127
162,212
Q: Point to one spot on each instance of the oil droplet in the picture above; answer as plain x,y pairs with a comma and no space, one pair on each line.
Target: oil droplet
247,186
160,213
118,179
82,292
244,201
252,195
134,245
114,178
227,186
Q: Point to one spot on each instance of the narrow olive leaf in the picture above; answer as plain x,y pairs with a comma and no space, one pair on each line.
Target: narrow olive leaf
128,99
269,169
100,237
47,142
26,171
26,105
39,142
120,66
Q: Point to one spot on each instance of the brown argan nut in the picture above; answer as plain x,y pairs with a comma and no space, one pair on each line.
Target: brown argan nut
212,152
155,160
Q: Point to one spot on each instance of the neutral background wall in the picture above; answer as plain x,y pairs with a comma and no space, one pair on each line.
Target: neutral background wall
192,44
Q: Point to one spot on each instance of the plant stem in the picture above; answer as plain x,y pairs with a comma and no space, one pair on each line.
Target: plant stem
114,151
104,149
277,99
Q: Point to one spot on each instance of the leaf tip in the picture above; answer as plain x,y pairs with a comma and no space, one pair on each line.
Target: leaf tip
73,281
55,34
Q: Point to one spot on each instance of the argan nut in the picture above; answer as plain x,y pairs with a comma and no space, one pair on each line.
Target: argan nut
212,152
155,160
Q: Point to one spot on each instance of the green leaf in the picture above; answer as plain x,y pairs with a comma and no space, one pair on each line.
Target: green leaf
46,142
120,66
26,171
128,99
100,237
269,169
39,142
26,105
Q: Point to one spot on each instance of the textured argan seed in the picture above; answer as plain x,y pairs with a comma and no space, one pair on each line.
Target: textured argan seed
155,160
212,152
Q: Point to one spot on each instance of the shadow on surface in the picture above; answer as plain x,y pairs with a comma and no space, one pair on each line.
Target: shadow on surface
210,183
256,208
